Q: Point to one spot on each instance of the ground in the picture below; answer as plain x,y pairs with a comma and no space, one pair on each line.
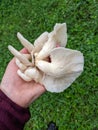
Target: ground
77,107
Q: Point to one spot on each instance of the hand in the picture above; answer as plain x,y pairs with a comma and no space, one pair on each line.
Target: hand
19,91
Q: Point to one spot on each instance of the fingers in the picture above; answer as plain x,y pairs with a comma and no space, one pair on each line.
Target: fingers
24,50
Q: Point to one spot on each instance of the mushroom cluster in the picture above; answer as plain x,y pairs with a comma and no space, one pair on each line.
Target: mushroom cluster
48,61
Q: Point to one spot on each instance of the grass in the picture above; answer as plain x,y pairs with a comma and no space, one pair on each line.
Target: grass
77,107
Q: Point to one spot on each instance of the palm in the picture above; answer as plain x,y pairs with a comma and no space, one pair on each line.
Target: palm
21,92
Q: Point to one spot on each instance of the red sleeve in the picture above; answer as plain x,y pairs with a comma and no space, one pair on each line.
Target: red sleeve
12,116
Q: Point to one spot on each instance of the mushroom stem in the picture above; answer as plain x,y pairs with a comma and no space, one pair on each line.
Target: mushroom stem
40,41
47,48
20,56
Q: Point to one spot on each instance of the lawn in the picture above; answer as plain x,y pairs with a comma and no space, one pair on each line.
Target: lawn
77,107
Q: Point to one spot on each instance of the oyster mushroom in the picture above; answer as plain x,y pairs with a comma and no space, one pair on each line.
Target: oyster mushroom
19,56
60,34
31,74
58,85
63,61
25,42
55,68
65,66
49,45
57,36
40,41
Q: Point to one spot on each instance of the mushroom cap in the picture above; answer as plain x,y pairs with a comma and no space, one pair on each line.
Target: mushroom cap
49,45
57,36
58,85
40,41
19,55
60,34
34,74
20,65
23,76
25,42
63,61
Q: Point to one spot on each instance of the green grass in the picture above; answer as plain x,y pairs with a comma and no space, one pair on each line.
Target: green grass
77,107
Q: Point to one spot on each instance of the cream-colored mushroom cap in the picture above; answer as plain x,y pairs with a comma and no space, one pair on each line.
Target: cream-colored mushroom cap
65,66
19,55
60,34
57,36
63,61
58,85
25,42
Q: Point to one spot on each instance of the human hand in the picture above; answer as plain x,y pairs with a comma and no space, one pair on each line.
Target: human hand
19,91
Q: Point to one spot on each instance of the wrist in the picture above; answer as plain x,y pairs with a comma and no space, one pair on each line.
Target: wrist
14,113
12,96
9,101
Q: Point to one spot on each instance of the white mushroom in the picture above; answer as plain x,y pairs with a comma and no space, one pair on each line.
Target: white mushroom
60,34
63,62
58,85
55,68
49,45
40,41
23,76
25,42
57,36
20,56
20,64
34,74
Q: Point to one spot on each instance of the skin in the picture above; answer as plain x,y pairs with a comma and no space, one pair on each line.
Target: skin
19,91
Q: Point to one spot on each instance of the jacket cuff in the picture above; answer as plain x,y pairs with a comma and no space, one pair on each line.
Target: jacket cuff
12,115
